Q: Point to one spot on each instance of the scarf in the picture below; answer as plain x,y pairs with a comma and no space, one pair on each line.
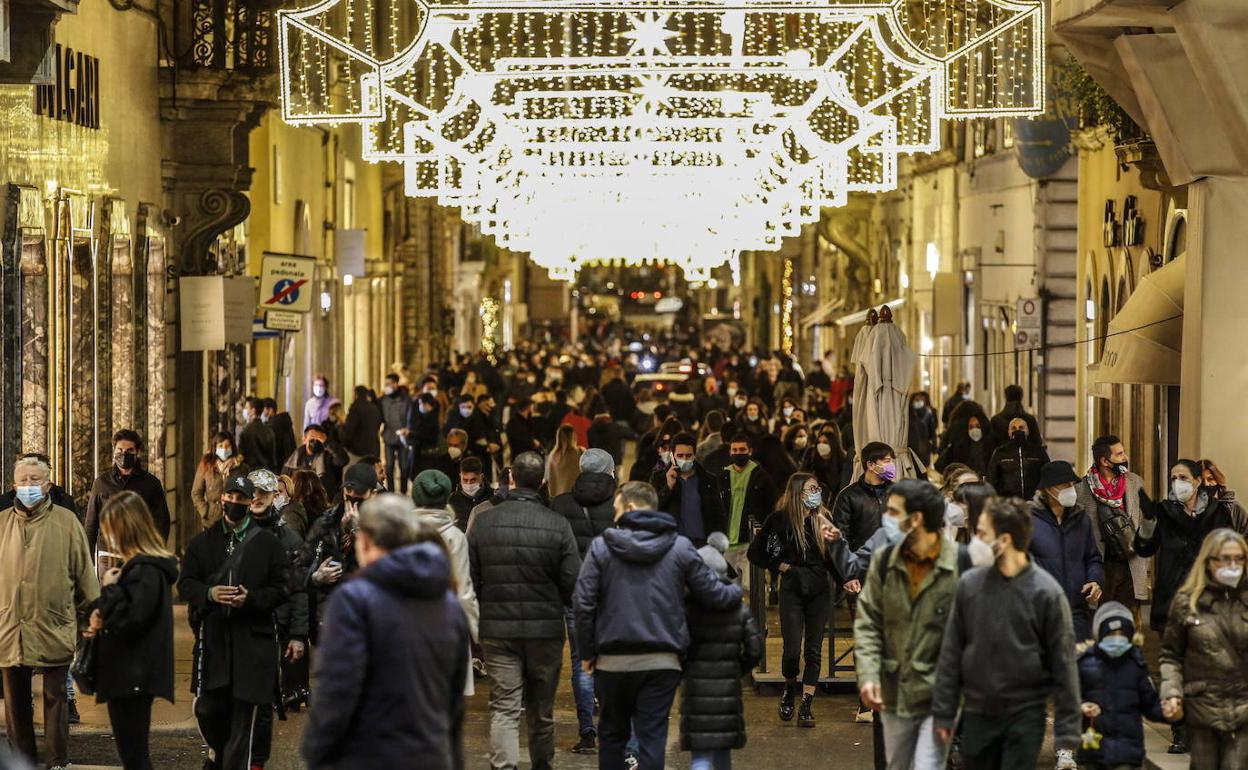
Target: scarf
1111,494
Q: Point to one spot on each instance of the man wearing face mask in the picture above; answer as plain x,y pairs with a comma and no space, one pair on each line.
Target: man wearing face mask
521,433
470,492
316,408
291,615
461,415
256,440
1008,648
395,406
922,428
901,615
315,455
690,493
860,505
1063,543
126,473
1112,496
235,575
1014,469
749,497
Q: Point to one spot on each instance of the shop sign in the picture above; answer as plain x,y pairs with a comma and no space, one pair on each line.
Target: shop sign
74,94
286,283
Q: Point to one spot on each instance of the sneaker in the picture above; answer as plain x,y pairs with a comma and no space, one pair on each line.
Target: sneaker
588,744
786,702
805,717
630,762
1177,748
74,717
865,716
1066,760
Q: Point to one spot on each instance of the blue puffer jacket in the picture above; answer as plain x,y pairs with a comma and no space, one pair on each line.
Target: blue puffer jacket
630,596
1121,687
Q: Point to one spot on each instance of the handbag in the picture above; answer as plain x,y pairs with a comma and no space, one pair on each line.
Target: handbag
84,668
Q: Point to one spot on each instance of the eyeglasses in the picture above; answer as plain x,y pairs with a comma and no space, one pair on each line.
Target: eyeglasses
813,490
1233,561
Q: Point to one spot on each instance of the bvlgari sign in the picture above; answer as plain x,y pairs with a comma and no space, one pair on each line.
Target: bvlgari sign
74,95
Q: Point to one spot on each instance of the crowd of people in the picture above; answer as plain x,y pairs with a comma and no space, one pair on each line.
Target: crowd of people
471,521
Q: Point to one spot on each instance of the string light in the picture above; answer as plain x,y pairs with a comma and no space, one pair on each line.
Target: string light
584,131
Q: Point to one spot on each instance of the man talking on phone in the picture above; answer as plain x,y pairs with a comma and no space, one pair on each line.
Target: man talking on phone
328,553
234,575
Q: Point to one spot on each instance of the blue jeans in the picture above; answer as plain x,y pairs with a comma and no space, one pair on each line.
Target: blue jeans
582,682
720,759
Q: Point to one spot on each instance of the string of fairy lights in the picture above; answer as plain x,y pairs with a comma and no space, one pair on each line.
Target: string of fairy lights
654,131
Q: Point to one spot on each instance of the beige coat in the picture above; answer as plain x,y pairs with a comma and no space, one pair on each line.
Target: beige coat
1086,501
47,584
207,488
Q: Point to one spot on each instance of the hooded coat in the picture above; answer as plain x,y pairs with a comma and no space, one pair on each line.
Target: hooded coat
391,669
1202,658
135,647
1121,687
589,507
630,596
725,645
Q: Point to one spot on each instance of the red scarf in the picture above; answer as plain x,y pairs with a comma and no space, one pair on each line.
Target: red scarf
1110,493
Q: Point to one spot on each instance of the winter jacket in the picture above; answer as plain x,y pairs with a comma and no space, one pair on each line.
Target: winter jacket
235,647
760,500
521,436
292,614
208,485
1067,551
620,401
1175,538
1132,501
897,639
1121,687
776,544
1014,470
47,585
858,509
609,437
524,565
258,446
1204,657
135,647
973,454
316,409
361,430
325,540
714,517
461,567
140,482
394,408
390,671
461,504
295,517
630,596
1000,421
326,464
724,646
921,433
589,507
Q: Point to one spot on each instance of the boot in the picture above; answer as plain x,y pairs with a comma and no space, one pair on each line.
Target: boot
786,701
805,717
1178,739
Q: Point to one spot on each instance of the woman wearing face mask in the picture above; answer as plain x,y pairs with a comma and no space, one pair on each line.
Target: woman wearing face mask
754,419
1214,481
969,440
564,463
1204,671
922,428
1015,466
785,417
794,541
797,443
1063,543
826,461
221,460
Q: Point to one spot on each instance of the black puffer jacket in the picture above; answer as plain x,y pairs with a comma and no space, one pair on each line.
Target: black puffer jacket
858,509
524,567
725,645
589,507
135,648
1014,469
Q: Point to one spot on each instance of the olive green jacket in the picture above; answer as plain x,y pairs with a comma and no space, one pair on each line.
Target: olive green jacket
896,640
1204,655
47,585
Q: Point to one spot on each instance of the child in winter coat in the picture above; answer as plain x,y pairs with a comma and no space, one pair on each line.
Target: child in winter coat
1117,693
725,645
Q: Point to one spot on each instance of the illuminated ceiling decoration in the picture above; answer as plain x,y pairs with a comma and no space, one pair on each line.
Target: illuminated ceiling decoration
588,131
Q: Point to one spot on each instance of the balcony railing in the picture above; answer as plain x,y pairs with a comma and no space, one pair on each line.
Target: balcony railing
232,35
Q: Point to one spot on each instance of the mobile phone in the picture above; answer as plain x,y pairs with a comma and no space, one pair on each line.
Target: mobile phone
104,561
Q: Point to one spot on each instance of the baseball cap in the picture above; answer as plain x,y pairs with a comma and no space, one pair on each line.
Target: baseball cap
360,478
240,484
263,479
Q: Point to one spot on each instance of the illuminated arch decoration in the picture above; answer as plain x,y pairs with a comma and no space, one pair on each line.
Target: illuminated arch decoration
585,131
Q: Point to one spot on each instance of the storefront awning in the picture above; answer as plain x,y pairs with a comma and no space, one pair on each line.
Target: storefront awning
1145,345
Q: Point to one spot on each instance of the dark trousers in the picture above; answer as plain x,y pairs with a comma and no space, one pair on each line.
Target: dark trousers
639,701
131,719
802,623
396,455
262,738
1119,587
1003,741
228,726
19,713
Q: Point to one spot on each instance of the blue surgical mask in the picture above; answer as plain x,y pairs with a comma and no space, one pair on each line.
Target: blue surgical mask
891,528
684,466
30,496
812,499
1115,646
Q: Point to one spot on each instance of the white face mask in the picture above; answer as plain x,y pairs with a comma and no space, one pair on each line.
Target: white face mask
732,392
471,490
740,403
318,390
824,449
981,553
224,453
388,390
281,501
955,514
454,452
800,442
1067,497
1229,576
1182,490
788,411
976,434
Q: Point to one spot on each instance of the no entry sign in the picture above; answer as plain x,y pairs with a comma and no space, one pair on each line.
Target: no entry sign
286,283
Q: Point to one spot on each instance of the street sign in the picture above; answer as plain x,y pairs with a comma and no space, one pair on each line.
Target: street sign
283,321
286,283
1029,322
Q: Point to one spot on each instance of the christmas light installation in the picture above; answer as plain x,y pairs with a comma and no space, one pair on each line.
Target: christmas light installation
586,131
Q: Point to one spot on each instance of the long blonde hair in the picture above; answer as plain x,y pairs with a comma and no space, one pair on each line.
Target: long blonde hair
1198,578
126,525
565,440
795,513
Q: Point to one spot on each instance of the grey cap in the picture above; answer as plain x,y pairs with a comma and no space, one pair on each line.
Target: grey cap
264,479
1113,616
597,461
714,559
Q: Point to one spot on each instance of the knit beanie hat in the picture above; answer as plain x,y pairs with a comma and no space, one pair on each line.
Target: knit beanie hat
597,461
431,489
1113,616
713,553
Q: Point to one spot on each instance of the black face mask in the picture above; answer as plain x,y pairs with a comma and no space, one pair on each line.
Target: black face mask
740,460
1019,436
314,447
126,460
236,513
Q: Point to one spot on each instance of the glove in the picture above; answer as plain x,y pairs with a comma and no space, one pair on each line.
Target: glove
1066,760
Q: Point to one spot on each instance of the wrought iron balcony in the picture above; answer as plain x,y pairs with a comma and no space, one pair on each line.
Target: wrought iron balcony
225,35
